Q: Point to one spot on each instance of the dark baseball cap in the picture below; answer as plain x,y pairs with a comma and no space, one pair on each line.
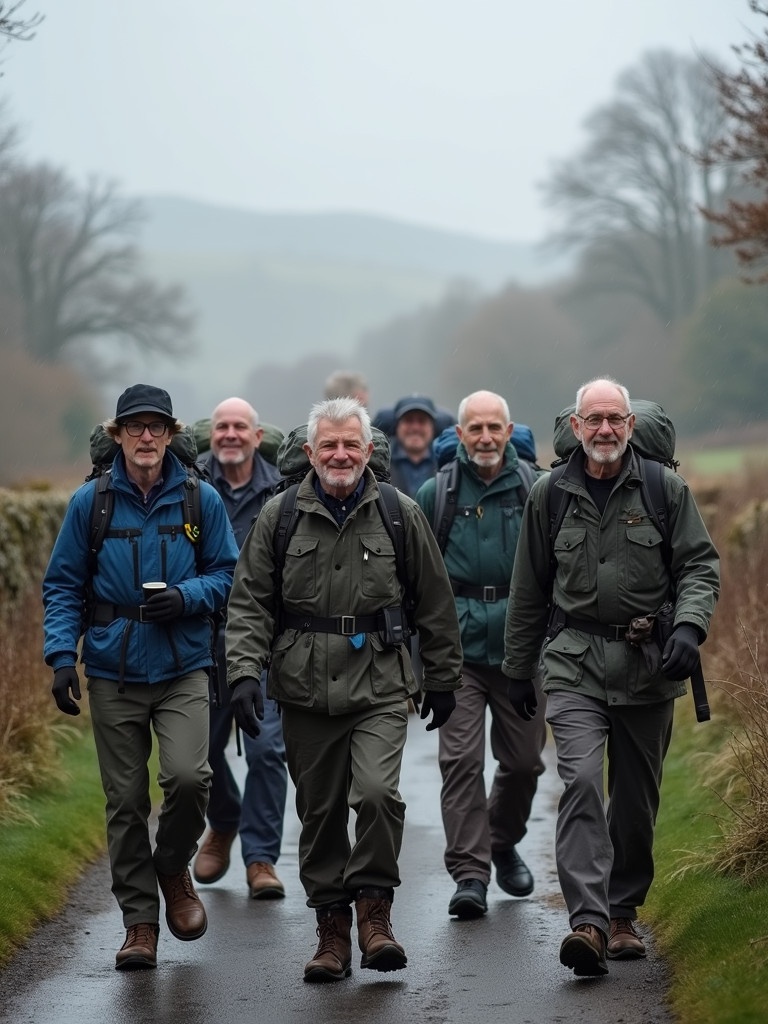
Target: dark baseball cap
144,398
415,403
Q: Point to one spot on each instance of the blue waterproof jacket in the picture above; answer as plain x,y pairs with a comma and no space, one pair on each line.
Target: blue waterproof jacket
139,652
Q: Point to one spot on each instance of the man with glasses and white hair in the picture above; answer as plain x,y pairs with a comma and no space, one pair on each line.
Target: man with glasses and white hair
605,568
145,658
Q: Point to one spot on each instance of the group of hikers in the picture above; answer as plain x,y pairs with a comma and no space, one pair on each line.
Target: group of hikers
317,610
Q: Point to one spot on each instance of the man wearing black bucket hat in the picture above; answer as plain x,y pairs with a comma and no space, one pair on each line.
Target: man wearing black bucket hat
146,648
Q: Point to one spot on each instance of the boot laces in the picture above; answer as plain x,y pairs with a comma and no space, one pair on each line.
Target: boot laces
140,934
327,932
180,885
378,917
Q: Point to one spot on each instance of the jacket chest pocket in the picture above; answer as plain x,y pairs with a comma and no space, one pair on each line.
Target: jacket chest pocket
300,572
378,577
571,555
644,562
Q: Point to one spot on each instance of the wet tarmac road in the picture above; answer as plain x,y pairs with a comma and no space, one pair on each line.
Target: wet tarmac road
248,966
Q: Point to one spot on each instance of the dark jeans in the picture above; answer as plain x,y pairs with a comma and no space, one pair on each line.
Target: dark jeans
259,812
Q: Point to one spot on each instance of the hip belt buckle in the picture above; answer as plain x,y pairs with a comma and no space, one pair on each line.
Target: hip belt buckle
489,594
618,632
348,625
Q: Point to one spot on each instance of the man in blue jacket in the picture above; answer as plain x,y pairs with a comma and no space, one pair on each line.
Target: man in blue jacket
479,554
146,660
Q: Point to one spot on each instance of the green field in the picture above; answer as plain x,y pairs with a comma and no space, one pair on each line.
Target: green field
717,461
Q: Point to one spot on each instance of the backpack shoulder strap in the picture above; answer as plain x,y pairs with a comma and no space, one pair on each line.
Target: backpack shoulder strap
391,513
286,524
446,493
527,479
655,499
193,514
557,503
101,515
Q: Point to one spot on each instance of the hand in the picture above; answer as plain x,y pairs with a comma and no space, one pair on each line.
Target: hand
165,606
441,703
248,705
522,697
681,653
64,680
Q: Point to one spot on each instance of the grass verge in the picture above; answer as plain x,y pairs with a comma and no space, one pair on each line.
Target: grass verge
712,929
42,854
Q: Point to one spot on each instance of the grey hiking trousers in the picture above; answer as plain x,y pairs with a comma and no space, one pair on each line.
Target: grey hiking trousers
605,853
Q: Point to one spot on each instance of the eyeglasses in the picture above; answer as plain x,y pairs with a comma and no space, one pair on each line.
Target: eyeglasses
595,420
135,428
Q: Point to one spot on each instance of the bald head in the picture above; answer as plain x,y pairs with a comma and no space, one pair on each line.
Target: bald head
235,432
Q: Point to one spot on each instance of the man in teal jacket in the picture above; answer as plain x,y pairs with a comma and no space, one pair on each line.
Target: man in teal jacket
479,555
605,694
146,660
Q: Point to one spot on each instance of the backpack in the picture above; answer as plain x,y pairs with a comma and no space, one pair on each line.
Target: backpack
293,463
653,440
446,494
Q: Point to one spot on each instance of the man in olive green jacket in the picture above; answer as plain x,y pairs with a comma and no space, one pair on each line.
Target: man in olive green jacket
602,692
341,681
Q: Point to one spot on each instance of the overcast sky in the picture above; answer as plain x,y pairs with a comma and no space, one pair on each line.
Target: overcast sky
441,112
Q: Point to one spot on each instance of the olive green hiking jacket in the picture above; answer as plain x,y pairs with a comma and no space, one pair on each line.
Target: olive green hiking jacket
609,569
329,571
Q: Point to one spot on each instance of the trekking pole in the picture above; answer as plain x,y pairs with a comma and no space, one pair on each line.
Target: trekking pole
699,694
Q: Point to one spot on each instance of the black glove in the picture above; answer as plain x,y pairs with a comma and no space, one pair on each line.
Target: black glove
441,704
165,606
248,705
522,697
64,680
681,653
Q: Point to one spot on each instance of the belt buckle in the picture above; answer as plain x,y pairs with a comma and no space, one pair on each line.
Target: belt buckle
348,625
489,594
618,632
142,609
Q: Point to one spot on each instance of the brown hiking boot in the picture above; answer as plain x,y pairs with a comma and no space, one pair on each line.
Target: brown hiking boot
139,949
184,910
333,959
623,942
263,883
584,951
381,951
212,861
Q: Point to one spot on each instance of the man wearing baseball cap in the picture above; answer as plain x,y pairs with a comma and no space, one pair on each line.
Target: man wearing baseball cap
145,658
412,460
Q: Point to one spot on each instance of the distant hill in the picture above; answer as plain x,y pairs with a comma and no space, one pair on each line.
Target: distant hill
342,238
275,287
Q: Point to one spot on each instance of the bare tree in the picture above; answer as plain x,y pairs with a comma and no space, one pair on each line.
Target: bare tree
68,259
630,198
14,27
744,99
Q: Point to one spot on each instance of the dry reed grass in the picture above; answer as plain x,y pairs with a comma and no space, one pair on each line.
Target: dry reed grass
736,664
